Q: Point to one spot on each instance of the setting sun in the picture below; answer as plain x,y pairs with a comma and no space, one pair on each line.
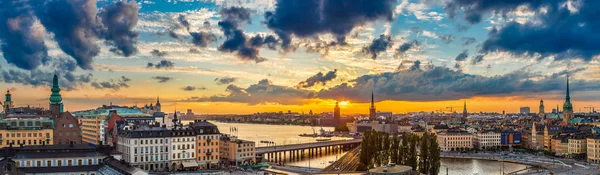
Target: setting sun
344,103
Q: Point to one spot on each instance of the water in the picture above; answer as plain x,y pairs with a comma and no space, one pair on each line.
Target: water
288,134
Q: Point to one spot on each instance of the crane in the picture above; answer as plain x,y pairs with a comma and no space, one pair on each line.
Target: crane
591,108
450,107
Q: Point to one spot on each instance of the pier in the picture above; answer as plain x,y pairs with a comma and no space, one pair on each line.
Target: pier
292,152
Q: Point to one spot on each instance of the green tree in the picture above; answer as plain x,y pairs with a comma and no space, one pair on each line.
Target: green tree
424,154
434,155
403,153
385,150
394,148
412,152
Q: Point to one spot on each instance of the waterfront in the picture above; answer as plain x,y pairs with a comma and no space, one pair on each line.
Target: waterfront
288,134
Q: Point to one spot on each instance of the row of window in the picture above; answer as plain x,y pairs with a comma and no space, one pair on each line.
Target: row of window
18,135
57,163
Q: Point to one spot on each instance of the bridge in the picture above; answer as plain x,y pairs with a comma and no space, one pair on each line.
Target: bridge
299,151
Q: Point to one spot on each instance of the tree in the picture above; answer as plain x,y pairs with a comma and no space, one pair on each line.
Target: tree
424,154
412,152
434,155
385,150
402,153
394,148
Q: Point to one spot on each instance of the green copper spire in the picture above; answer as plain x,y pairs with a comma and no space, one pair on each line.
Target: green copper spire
568,107
55,98
8,96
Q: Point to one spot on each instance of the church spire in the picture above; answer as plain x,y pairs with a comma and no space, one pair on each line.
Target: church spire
56,105
372,100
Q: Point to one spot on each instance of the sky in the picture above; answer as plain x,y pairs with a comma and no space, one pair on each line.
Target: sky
247,56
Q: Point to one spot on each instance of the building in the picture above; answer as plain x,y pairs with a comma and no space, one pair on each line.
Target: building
21,129
372,111
207,137
362,126
236,151
541,112
524,110
183,149
560,144
577,146
487,139
593,149
455,140
94,121
510,138
147,148
66,129
567,107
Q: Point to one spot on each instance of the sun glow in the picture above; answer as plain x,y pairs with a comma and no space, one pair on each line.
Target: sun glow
344,103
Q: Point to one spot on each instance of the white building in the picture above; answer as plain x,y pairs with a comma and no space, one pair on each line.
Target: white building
487,139
146,148
183,148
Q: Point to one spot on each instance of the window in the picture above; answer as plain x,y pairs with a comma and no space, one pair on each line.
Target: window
70,125
49,163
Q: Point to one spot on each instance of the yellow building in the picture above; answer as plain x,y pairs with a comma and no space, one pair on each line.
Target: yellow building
235,151
577,145
207,139
593,149
26,131
455,140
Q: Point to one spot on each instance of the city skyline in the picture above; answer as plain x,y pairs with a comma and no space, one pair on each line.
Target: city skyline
413,55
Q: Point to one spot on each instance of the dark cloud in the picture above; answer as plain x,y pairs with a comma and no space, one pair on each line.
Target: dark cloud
43,78
206,25
194,50
262,92
112,84
440,83
162,79
468,41
557,32
118,20
22,44
416,66
202,39
259,40
193,88
407,46
166,64
173,35
225,80
319,78
237,41
447,38
158,53
462,56
378,45
476,59
567,72
308,18
73,23
184,22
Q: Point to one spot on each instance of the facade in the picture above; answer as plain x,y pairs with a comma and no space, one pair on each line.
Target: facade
577,146
146,148
362,126
455,140
235,151
66,129
8,103
183,148
93,121
593,149
524,110
510,138
487,139
207,144
26,131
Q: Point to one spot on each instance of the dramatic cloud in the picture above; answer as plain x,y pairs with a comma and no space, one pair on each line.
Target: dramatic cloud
162,79
112,84
407,46
476,59
22,43
225,80
64,67
202,39
258,41
263,92
119,19
184,22
233,18
308,18
319,78
562,29
440,83
158,53
378,45
75,26
193,88
468,41
446,38
462,56
166,64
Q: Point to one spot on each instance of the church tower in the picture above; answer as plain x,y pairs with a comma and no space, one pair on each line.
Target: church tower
372,111
56,105
157,107
465,113
8,103
541,112
567,107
